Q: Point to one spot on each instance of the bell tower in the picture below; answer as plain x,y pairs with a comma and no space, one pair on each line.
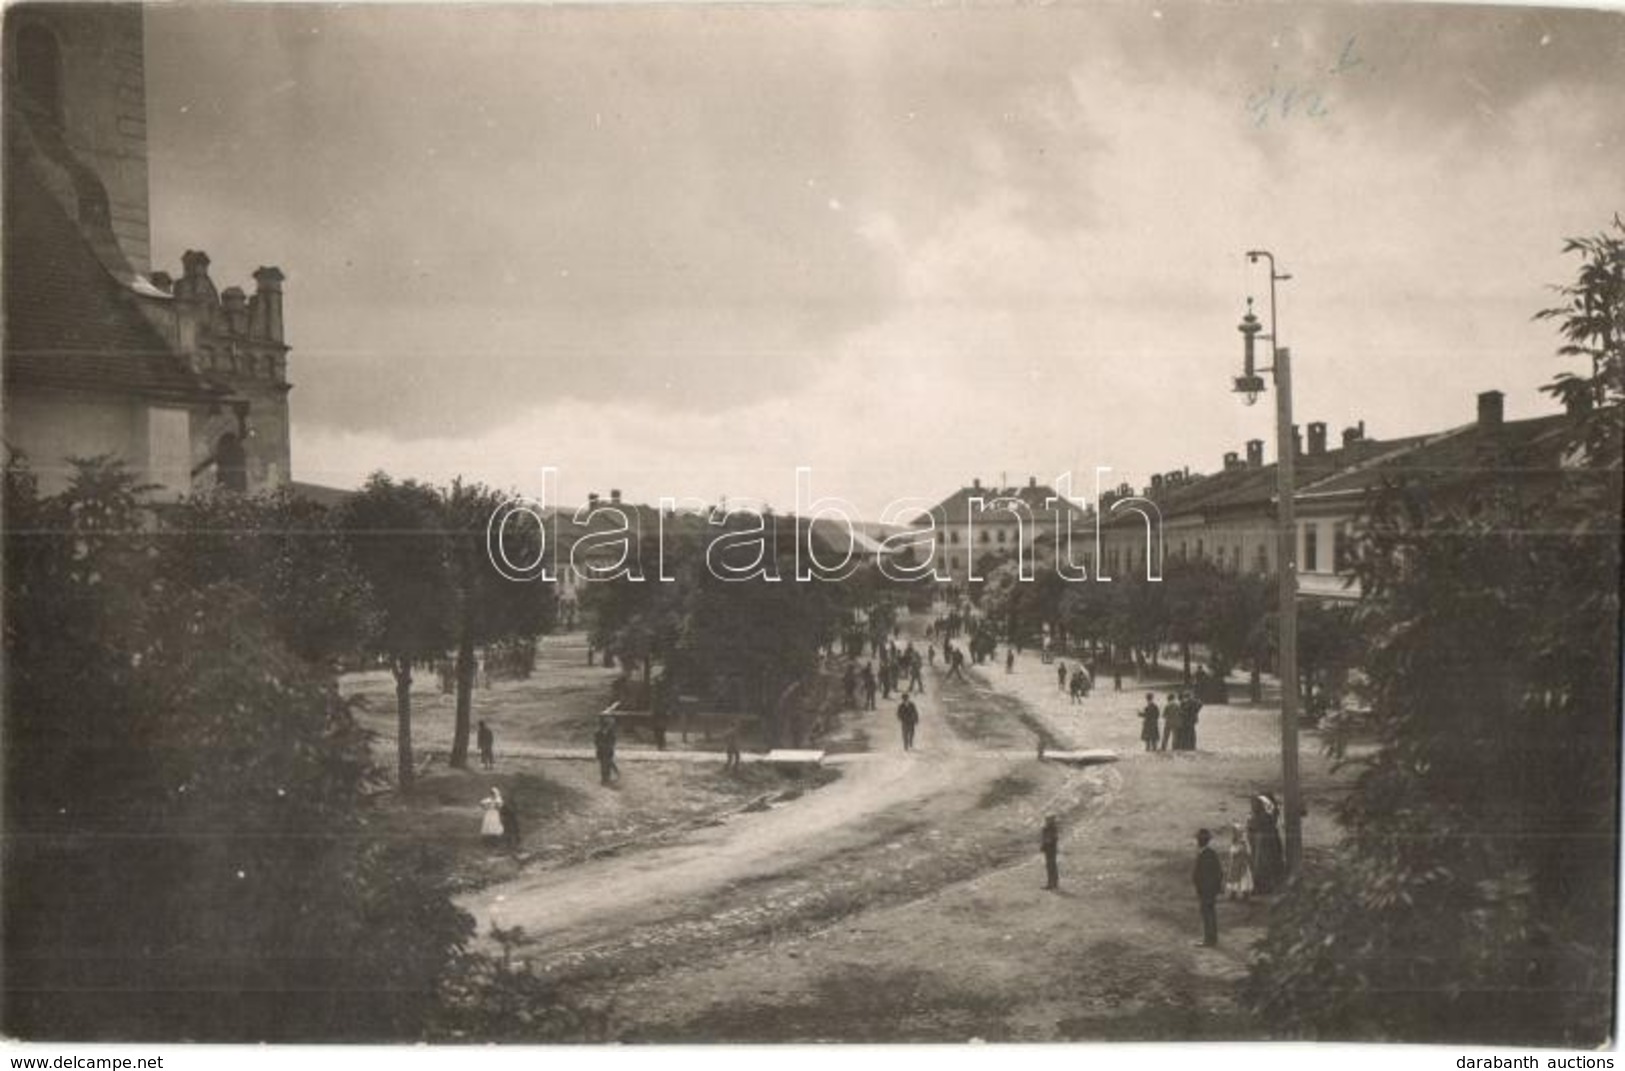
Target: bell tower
77,73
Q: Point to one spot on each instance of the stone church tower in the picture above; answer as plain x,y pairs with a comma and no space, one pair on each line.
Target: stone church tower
103,354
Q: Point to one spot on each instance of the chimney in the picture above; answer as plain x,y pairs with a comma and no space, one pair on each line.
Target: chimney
1156,483
1032,481
235,303
1490,410
1232,461
615,496
1124,490
1255,453
265,312
1297,441
976,484
161,280
592,500
1317,438
1354,435
194,283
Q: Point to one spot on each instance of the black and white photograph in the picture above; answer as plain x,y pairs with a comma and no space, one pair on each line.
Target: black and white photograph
722,524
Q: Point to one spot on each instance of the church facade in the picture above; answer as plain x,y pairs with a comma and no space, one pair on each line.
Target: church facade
104,356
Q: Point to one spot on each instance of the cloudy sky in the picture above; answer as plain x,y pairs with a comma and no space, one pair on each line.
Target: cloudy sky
682,250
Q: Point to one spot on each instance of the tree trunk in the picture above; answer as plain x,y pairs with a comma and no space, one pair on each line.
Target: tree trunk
402,668
1255,684
465,702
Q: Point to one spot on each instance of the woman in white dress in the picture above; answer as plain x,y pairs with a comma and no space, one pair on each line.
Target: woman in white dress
491,822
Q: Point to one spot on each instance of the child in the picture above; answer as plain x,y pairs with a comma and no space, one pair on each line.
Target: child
1238,865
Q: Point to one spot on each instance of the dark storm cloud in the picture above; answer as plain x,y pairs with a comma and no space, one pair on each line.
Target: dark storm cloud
487,209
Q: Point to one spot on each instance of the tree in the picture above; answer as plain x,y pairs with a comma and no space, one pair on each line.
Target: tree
1473,897
486,607
394,532
187,849
287,554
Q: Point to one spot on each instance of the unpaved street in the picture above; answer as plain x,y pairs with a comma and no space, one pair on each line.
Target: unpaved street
903,902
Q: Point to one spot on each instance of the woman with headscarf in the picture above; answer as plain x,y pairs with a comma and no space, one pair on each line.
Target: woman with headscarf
491,822
1264,840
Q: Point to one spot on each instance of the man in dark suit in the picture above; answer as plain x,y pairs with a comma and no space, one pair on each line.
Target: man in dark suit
1049,843
1209,880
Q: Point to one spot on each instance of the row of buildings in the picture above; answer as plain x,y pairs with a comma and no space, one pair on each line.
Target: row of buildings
1228,517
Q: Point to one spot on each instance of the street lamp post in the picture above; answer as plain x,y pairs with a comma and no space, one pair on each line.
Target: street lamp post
1251,384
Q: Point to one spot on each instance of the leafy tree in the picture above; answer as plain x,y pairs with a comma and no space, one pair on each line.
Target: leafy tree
486,608
286,553
1474,895
396,540
186,838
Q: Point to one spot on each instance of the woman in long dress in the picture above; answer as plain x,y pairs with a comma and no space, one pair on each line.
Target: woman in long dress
1238,865
491,821
1264,838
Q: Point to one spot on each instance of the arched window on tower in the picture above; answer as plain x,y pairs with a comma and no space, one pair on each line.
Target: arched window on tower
231,463
39,72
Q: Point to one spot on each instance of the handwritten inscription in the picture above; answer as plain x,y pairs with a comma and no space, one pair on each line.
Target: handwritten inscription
1310,98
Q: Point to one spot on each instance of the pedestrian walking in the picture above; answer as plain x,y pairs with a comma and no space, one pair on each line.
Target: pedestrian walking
1049,843
1208,877
1170,720
731,742
1078,687
956,663
488,744
868,686
916,683
1010,660
849,681
491,819
908,715
1238,865
1060,676
1148,722
604,748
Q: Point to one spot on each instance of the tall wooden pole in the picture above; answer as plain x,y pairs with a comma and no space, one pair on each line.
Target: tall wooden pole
1287,571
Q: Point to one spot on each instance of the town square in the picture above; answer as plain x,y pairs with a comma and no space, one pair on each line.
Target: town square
734,524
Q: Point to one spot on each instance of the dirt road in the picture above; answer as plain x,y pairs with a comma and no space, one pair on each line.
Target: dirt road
903,901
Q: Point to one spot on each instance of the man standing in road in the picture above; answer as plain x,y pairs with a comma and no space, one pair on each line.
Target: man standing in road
1171,719
868,686
487,741
1049,843
1148,722
1209,880
909,715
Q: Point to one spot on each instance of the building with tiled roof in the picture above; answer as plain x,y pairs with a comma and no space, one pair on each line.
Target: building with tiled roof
1228,517
102,356
978,527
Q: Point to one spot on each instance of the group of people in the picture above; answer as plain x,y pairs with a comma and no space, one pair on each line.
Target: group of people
1254,862
499,824
1077,683
1178,719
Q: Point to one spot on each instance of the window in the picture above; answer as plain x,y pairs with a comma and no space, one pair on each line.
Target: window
1002,535
953,536
1340,547
984,535
169,449
1261,560
1311,548
953,562
1199,554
